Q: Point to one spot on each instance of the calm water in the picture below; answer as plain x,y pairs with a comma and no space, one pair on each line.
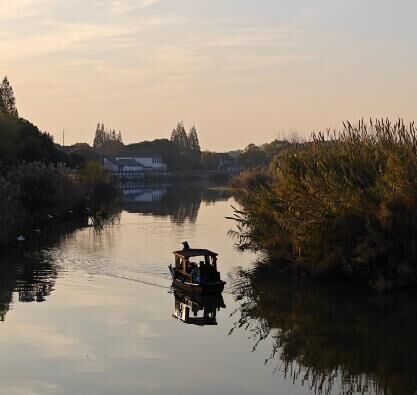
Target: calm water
94,314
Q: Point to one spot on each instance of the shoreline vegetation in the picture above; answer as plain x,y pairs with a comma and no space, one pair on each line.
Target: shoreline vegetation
343,205
40,185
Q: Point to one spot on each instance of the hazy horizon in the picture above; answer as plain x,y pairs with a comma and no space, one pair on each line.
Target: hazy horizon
241,71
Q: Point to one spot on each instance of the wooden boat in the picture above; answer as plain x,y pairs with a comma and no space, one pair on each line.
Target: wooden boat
198,310
209,282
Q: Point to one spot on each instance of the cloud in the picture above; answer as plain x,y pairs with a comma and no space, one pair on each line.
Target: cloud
20,9
59,38
126,6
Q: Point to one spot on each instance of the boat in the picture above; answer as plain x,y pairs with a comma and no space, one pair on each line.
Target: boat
181,272
197,310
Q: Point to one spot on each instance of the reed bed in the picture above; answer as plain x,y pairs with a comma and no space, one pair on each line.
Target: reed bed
344,203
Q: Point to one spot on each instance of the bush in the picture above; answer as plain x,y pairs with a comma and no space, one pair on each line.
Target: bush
11,210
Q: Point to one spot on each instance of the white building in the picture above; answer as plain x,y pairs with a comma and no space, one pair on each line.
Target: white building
137,164
150,162
122,165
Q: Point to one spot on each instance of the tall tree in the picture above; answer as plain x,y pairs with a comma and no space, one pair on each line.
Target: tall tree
99,137
179,137
107,141
193,142
7,98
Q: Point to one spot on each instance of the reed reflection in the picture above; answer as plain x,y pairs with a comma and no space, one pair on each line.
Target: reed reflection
333,338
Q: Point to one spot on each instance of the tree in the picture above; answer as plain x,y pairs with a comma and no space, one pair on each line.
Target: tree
193,142
179,137
7,98
209,160
99,137
253,156
107,141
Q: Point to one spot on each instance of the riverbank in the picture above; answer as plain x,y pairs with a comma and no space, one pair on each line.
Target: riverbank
342,207
33,196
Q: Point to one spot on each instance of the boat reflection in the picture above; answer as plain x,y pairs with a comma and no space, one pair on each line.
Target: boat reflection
197,310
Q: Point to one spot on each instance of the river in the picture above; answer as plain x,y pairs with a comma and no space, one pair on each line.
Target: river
94,313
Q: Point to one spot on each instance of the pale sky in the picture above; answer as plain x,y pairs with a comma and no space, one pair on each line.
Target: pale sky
242,71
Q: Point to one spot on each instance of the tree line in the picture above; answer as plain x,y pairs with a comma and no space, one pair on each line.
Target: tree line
181,151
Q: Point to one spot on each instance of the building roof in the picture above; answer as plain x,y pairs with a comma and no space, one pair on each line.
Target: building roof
125,162
128,162
141,154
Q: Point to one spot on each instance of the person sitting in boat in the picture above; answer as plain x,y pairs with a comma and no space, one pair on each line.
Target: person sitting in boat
210,272
203,273
188,266
186,246
195,274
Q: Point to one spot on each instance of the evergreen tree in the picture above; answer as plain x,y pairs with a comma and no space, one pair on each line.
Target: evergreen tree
107,141
179,137
174,135
98,139
7,98
193,142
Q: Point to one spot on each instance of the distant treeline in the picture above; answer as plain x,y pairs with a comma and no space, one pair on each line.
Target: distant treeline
181,152
345,205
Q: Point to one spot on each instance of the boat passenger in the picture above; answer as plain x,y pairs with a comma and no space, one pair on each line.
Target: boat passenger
195,274
186,246
203,273
188,266
209,272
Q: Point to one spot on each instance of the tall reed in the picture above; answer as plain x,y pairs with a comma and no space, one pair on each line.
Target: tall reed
344,203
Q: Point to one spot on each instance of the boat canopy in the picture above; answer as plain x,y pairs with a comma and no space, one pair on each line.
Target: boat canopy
192,252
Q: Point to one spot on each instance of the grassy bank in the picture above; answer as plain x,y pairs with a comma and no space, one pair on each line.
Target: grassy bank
345,205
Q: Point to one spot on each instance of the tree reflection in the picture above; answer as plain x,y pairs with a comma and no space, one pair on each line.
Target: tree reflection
31,279
335,339
179,203
28,274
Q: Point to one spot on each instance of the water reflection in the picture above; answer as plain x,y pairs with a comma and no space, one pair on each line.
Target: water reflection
198,310
32,279
27,273
179,203
331,336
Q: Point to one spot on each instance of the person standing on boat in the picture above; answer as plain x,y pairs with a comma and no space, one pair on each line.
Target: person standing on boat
186,246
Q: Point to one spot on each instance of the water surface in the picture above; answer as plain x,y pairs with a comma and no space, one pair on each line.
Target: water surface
94,314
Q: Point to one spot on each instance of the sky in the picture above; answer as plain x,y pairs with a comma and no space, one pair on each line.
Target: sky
242,71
